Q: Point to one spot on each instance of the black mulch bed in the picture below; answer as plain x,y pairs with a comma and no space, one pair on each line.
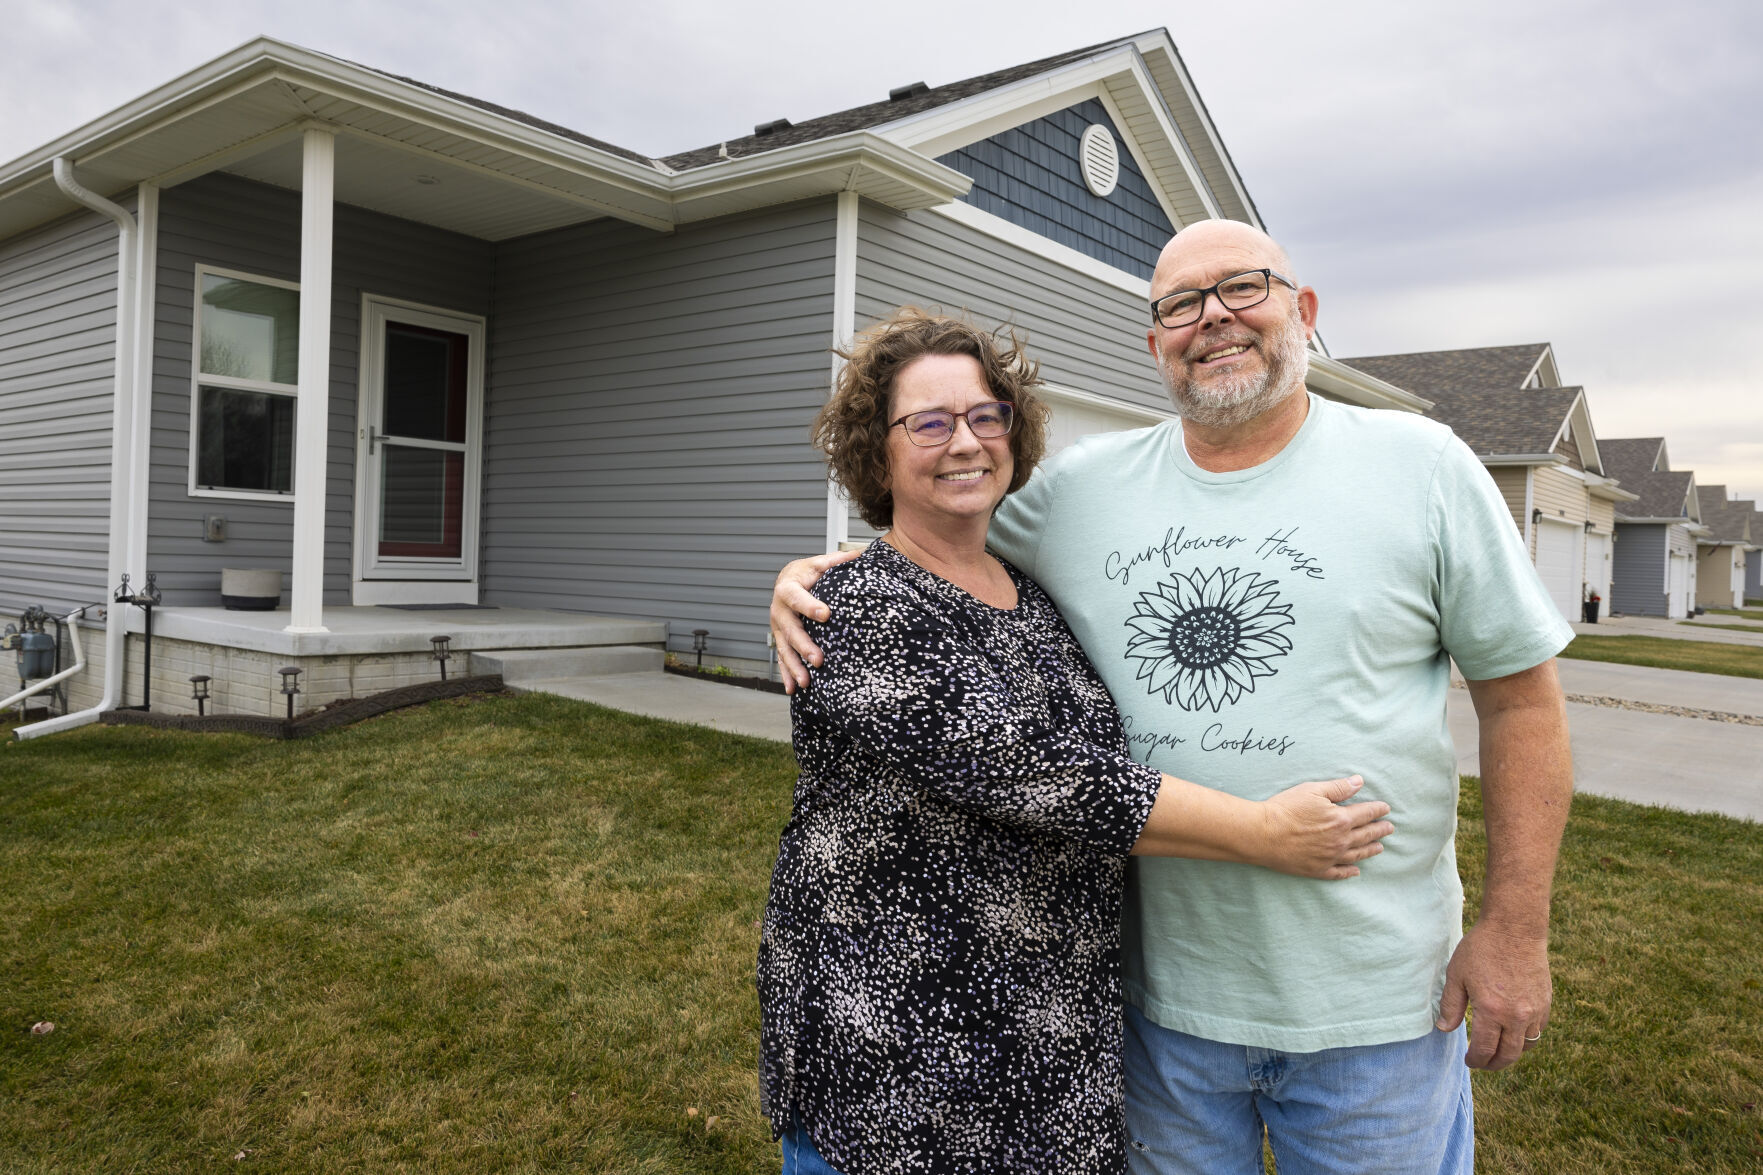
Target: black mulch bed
329,718
759,683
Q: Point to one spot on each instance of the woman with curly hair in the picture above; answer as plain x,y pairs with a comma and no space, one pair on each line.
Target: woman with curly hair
939,973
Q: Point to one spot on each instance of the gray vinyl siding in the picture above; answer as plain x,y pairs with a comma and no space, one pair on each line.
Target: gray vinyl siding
1089,335
1030,176
646,440
57,364
1638,571
236,224
1084,331
1754,569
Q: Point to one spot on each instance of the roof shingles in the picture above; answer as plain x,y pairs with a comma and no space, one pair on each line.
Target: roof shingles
1426,372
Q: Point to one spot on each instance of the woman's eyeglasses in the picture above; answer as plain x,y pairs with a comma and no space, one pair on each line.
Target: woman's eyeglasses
930,429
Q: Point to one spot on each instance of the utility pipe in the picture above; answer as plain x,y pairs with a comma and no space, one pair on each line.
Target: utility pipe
122,427
79,663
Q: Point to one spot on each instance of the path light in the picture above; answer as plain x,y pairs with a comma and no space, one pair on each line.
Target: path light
442,653
700,640
290,686
199,691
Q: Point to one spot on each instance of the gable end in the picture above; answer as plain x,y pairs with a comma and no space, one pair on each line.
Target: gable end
1032,176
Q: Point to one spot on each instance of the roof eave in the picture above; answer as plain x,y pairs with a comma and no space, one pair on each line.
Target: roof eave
1521,458
1349,383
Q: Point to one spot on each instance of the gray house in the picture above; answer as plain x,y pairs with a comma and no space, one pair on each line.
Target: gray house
1655,572
1537,441
445,368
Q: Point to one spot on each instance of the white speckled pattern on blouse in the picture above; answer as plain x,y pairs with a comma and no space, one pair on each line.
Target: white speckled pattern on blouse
939,973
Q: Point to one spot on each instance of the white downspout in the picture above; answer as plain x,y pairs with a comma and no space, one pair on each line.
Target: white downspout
122,432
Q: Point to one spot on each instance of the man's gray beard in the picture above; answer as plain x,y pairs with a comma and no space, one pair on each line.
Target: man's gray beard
1229,401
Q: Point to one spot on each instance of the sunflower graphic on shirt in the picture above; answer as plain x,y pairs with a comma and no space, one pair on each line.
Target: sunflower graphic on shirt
1202,639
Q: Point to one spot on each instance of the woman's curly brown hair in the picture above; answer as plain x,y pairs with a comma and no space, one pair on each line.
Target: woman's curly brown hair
852,430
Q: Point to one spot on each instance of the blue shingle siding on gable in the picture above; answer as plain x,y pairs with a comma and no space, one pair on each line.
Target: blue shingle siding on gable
1030,176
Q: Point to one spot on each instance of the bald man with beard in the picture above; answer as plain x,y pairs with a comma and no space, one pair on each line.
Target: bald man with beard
1274,587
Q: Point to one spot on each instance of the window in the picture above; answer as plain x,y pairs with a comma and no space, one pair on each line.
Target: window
245,383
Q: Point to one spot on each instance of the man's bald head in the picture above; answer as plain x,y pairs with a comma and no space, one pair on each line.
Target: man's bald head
1208,244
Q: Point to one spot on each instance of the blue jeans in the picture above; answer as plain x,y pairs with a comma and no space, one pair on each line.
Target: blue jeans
800,1157
1197,1106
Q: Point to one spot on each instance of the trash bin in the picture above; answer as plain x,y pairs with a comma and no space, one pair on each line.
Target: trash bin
1591,611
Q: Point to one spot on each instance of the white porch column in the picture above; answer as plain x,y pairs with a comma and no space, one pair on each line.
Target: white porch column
838,510
312,414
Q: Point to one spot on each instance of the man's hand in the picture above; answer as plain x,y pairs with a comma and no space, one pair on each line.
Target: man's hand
1502,965
1506,977
790,602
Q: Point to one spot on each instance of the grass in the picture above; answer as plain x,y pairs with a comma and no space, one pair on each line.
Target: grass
516,935
1661,652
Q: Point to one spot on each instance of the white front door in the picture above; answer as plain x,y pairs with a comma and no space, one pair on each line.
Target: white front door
419,444
1559,551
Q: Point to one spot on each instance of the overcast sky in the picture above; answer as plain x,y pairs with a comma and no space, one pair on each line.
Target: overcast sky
1585,172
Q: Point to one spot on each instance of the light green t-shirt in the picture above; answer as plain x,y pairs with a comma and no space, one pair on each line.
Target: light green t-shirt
1290,622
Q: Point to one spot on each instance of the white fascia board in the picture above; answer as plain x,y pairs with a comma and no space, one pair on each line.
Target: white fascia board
1106,98
1159,43
1521,459
266,59
1166,123
1061,394
1333,376
858,149
1608,489
1032,242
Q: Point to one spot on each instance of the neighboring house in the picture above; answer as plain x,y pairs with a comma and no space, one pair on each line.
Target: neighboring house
1754,557
1655,572
1537,441
1720,554
412,349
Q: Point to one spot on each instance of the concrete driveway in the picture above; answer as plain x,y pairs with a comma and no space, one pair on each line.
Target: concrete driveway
1701,628
1653,736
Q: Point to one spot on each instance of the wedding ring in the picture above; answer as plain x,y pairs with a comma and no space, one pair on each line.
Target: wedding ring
1533,1039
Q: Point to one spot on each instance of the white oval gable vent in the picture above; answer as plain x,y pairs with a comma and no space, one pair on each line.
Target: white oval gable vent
1100,159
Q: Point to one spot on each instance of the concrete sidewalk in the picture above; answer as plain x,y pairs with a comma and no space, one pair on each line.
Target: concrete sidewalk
1668,687
1701,629
1687,763
680,699
1697,764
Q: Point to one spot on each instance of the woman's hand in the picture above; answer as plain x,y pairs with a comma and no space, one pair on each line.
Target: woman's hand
1308,830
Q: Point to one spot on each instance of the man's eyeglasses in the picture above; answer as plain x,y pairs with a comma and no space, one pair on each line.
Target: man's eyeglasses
1239,291
930,429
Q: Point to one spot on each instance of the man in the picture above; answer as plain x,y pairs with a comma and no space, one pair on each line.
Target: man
1273,588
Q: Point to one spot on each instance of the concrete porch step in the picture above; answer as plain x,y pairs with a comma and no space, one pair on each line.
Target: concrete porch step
520,666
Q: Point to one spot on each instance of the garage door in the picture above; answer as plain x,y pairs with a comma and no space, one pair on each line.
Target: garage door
1559,550
1678,605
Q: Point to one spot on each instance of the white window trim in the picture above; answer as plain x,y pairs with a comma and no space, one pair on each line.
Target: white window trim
197,379
417,579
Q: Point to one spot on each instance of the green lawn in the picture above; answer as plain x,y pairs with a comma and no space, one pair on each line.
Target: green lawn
516,935
1662,652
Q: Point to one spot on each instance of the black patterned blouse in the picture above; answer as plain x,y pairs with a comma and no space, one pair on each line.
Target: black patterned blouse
939,973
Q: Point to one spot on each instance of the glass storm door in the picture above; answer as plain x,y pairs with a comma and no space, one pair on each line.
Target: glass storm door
421,408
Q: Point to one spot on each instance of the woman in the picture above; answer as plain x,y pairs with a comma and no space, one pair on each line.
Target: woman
939,965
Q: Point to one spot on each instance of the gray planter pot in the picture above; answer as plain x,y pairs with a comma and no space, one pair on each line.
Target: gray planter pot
251,589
